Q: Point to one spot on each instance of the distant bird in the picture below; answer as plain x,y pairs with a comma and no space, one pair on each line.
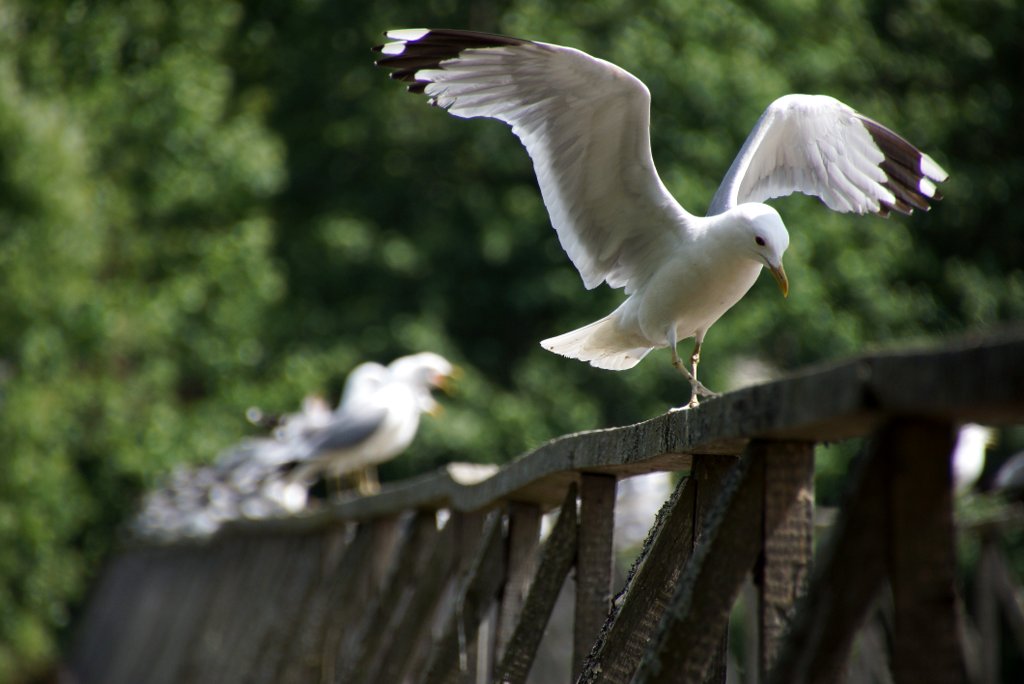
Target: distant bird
585,124
972,441
376,420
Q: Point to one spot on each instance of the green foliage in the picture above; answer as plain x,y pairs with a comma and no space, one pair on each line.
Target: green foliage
209,205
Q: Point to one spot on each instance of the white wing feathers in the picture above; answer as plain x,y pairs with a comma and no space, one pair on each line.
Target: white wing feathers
819,146
585,124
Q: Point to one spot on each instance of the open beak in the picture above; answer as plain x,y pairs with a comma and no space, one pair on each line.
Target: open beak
779,274
444,382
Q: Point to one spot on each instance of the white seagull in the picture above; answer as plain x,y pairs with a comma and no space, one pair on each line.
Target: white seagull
377,418
585,124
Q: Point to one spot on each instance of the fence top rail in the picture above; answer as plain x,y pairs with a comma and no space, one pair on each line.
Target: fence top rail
973,379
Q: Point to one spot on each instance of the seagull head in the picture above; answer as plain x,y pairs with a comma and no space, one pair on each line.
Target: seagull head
764,239
424,372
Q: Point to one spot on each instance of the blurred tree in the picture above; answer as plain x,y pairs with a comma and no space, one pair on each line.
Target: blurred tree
209,205
136,267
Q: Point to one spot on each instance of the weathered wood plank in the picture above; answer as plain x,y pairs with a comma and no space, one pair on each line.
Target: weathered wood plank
306,646
1009,597
523,550
410,626
556,560
114,600
926,644
986,611
784,568
368,640
450,654
248,569
351,596
469,534
156,624
593,563
690,634
709,474
301,571
847,574
649,588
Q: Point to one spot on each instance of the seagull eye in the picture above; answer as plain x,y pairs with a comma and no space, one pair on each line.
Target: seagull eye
759,240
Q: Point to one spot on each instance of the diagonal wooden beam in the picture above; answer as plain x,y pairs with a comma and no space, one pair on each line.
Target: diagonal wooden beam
709,474
410,625
556,560
690,634
649,588
368,641
478,592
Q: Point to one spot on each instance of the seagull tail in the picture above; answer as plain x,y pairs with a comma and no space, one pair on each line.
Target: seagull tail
602,344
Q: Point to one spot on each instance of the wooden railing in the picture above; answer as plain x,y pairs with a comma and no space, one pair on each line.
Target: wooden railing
371,590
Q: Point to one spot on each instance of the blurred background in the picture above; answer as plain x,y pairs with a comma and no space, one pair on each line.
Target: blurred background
207,205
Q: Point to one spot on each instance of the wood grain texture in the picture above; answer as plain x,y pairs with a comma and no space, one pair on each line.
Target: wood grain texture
649,588
783,571
369,639
848,572
709,474
689,638
523,551
922,557
557,558
451,655
593,563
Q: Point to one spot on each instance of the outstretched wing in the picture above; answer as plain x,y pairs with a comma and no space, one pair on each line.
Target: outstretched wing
819,146
585,123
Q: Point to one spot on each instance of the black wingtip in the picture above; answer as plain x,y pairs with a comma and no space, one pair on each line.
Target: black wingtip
902,167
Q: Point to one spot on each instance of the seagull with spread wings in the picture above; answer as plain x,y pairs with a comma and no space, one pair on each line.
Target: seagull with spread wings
585,124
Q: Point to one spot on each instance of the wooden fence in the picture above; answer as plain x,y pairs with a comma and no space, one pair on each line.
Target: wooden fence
371,590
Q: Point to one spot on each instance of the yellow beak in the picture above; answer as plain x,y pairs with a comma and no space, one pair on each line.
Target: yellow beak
445,382
779,274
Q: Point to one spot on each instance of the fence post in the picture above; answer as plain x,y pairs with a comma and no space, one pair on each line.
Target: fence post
556,560
926,644
782,572
593,563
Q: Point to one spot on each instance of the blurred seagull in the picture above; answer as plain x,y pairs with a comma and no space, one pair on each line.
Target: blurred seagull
585,124
376,419
968,459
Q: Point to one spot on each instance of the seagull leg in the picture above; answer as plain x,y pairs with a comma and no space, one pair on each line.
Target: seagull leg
695,386
694,360
367,483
